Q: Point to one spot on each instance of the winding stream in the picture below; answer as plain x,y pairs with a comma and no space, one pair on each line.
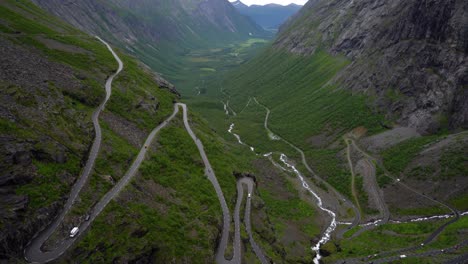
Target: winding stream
231,127
327,235
333,224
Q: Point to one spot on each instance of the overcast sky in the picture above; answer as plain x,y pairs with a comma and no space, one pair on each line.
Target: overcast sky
264,2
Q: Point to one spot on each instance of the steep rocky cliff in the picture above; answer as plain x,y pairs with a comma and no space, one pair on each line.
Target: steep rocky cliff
409,55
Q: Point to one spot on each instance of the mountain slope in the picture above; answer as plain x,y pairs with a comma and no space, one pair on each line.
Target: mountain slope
270,16
368,88
158,32
52,79
410,55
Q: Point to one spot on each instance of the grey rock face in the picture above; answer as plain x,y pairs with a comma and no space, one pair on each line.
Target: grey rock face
163,83
411,54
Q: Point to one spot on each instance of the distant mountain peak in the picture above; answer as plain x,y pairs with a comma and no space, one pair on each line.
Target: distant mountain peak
269,16
239,4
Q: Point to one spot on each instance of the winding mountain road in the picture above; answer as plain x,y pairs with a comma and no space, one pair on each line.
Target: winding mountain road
368,173
393,254
33,251
209,172
248,226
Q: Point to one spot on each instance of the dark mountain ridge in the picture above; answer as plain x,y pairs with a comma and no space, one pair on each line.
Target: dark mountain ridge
269,16
158,32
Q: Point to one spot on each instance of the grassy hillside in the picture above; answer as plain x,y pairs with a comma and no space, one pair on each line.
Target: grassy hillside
305,108
281,80
170,210
53,80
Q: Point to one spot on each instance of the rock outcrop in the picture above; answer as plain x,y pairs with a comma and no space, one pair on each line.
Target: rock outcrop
410,55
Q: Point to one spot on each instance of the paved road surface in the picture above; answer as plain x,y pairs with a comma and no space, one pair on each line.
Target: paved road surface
248,226
209,172
33,251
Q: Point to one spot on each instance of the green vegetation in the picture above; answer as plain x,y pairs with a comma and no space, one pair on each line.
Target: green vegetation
281,80
180,211
382,179
116,155
453,234
352,231
294,209
421,172
461,202
63,126
454,163
383,238
421,211
136,97
394,95
398,157
51,185
202,67
114,159
184,204
327,163
289,216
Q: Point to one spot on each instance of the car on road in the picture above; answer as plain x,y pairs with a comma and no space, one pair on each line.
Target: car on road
249,195
74,232
87,217
402,256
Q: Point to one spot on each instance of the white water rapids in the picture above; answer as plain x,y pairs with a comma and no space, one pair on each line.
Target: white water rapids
327,235
238,137
226,111
429,218
291,168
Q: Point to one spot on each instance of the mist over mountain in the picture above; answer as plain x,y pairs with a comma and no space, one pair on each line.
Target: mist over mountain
269,16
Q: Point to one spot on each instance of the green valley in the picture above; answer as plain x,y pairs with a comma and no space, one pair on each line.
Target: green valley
180,131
